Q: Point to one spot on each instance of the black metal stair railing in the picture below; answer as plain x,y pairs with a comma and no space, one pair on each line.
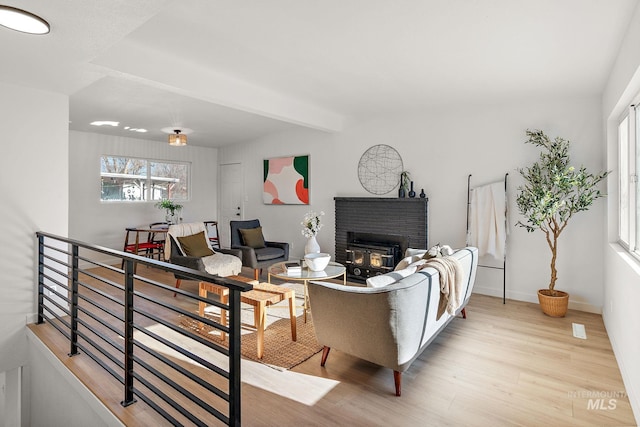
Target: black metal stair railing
120,320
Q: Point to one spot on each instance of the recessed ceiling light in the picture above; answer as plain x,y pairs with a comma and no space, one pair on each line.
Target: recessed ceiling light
105,123
23,21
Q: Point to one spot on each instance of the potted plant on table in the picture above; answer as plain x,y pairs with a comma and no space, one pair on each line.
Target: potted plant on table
171,208
554,191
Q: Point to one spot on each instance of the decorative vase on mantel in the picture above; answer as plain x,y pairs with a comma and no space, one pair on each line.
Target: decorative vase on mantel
312,246
412,193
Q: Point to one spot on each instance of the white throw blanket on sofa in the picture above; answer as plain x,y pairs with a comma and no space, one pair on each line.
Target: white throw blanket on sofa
451,274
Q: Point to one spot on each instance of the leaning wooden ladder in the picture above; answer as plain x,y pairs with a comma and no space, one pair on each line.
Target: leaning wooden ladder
504,261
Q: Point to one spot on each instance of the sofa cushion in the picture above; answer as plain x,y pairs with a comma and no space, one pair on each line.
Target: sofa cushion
390,278
253,237
195,245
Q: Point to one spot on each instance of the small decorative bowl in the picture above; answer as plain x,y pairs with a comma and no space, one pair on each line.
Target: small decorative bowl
317,261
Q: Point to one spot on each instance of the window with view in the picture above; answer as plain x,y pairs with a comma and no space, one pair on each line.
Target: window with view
629,210
132,179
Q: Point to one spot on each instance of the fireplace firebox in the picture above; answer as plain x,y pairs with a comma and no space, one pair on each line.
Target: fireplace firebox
372,254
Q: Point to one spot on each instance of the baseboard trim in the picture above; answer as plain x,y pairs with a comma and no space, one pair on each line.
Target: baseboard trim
532,297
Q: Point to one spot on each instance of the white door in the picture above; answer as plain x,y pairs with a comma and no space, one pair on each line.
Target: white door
231,194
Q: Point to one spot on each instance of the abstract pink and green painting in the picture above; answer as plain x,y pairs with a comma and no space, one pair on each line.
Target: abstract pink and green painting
286,180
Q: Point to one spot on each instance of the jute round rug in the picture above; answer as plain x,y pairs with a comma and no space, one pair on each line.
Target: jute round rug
279,349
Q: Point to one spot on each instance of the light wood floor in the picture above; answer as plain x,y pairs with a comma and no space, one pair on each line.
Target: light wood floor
505,365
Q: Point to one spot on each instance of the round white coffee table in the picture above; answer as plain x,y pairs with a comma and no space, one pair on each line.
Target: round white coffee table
332,271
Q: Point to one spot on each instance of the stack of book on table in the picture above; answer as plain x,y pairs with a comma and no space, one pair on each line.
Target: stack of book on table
293,267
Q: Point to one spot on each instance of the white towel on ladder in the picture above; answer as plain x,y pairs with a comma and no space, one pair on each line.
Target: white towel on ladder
487,229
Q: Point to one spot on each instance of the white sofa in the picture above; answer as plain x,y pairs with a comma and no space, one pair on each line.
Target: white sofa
389,325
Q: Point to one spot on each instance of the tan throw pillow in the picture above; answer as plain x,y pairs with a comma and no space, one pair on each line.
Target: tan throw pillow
195,245
253,237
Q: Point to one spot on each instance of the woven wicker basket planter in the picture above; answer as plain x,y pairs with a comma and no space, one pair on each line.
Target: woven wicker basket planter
553,303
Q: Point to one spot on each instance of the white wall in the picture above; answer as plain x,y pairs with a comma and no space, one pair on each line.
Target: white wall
104,223
34,178
60,398
622,272
440,148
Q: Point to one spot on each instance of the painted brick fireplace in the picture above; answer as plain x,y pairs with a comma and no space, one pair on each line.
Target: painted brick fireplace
377,230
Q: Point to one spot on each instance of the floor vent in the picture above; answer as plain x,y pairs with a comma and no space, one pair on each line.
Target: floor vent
579,331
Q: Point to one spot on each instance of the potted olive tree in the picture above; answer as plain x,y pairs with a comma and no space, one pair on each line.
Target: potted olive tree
554,191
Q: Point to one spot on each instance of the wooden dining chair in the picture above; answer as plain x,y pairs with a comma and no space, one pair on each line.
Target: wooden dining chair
135,245
157,239
215,240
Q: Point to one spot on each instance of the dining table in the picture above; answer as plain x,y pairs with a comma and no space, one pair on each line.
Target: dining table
145,241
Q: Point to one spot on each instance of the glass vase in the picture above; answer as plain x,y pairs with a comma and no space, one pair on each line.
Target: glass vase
171,217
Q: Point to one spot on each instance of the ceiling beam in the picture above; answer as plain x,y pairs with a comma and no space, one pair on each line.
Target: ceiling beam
191,79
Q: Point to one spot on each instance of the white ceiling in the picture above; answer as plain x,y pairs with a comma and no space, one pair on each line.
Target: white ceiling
235,70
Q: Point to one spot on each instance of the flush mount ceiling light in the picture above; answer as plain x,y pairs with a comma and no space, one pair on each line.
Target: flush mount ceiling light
177,136
23,21
177,139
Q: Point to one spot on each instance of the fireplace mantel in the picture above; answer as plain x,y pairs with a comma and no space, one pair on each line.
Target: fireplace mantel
381,215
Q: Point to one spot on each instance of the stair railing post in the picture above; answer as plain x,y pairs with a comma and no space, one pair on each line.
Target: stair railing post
40,279
129,271
234,358
74,300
